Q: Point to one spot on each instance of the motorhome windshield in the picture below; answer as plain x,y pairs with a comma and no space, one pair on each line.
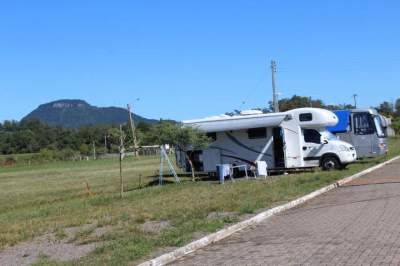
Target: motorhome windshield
378,125
363,124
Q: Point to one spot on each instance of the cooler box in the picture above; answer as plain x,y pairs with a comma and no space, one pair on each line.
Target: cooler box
223,171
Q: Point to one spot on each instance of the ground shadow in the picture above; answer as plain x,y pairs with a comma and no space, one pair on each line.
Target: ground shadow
152,183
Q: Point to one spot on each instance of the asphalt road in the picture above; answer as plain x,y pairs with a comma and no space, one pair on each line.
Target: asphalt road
356,224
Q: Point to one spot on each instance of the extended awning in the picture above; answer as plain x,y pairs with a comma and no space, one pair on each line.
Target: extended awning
226,123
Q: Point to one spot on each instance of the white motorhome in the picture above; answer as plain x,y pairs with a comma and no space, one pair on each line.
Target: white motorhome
288,140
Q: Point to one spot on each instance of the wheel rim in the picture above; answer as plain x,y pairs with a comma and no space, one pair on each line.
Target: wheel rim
329,164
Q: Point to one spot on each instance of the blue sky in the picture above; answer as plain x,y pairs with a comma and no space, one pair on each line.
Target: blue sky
188,59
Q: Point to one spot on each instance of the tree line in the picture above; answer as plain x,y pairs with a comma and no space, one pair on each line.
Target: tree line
32,136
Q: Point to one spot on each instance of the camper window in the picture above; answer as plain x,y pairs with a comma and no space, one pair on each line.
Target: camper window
212,135
312,136
363,124
257,133
305,117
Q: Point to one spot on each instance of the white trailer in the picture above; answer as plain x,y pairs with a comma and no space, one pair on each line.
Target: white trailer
289,140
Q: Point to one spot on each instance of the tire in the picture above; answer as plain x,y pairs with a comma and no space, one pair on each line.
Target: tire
330,163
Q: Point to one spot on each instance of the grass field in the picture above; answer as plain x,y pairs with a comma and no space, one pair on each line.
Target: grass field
51,198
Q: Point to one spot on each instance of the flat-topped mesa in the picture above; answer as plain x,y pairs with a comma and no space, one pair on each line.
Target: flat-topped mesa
74,113
62,104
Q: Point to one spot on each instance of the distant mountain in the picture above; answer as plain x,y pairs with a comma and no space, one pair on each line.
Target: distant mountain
76,113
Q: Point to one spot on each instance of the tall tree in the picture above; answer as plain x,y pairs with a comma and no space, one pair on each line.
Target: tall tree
396,125
397,107
386,108
297,101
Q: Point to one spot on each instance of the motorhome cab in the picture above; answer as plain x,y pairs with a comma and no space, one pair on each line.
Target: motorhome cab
364,129
289,140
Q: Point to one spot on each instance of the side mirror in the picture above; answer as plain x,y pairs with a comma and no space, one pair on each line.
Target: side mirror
324,140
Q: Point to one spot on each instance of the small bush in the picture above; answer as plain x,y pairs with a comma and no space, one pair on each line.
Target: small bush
10,161
47,155
66,154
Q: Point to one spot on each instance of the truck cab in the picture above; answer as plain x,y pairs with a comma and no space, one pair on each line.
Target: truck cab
322,148
318,146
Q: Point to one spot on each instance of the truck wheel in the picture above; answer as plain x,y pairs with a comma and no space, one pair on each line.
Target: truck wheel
330,163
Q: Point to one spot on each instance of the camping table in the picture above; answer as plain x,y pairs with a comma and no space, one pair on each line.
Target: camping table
241,166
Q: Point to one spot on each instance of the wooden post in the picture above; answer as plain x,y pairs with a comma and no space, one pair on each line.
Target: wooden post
105,143
121,151
133,129
94,151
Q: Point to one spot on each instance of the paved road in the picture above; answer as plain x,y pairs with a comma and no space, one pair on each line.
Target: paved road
357,224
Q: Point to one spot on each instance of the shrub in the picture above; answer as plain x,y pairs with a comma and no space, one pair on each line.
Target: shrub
10,161
47,154
396,125
66,154
84,149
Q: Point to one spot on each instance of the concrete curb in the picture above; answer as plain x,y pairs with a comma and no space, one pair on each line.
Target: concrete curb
214,237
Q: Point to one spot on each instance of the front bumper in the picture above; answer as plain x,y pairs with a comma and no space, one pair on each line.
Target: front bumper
348,156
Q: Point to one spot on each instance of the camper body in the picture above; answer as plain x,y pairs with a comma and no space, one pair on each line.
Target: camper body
364,129
288,140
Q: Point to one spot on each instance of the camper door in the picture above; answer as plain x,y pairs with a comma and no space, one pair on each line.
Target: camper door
292,146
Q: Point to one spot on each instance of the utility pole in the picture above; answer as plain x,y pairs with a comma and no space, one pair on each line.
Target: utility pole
309,98
274,95
355,100
133,129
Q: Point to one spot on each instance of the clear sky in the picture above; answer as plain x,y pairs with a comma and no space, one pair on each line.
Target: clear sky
189,59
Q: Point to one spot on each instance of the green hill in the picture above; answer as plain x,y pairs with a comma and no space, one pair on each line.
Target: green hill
76,113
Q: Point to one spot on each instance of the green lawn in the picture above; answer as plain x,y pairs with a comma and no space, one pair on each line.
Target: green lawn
42,198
